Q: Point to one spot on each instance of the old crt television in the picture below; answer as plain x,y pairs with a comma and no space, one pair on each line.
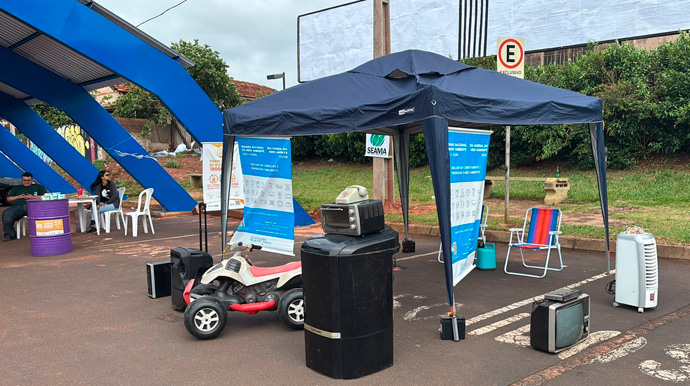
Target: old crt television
556,325
352,213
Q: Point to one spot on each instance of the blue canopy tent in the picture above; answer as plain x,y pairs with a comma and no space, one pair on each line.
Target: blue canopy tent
411,92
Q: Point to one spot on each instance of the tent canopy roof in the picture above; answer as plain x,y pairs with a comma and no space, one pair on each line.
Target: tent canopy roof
404,88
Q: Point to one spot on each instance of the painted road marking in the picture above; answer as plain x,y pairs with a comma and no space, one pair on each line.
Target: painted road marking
586,356
416,256
622,351
593,338
520,337
517,337
396,302
412,315
679,352
527,301
499,324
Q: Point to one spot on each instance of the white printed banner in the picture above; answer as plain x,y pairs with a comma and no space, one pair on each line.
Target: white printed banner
468,151
212,162
269,218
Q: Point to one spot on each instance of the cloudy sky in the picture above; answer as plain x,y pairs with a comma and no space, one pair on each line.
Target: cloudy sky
255,38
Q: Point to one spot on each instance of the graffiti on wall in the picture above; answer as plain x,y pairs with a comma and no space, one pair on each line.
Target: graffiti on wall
39,152
79,140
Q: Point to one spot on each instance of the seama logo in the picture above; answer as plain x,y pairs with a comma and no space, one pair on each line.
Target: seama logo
377,139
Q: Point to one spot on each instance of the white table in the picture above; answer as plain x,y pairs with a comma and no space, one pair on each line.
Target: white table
81,211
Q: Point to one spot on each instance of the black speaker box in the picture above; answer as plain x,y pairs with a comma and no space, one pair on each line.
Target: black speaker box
158,278
348,291
186,264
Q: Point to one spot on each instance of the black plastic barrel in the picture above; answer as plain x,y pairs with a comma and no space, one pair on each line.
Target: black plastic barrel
186,264
348,292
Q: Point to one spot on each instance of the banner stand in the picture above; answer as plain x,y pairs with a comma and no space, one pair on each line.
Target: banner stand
456,335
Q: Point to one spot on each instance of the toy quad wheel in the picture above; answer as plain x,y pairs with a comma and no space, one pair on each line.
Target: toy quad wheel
205,318
291,308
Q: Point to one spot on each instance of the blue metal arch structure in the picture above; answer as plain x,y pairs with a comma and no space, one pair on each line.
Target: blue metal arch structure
48,140
75,25
27,160
8,168
23,74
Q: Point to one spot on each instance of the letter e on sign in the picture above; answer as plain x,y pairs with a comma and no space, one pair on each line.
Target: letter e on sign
511,57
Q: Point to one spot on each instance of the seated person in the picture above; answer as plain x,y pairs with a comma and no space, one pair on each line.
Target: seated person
16,197
108,198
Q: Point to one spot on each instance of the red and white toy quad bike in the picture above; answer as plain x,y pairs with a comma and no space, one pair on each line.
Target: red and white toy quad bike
235,284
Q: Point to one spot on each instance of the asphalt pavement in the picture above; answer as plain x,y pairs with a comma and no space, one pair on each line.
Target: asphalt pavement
85,318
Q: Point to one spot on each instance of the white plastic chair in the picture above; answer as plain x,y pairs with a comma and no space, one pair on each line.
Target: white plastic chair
482,228
21,226
141,212
105,216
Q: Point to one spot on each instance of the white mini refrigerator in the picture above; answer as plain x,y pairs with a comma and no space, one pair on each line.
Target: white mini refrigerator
637,271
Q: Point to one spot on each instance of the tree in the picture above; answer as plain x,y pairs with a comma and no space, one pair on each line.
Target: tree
209,72
54,116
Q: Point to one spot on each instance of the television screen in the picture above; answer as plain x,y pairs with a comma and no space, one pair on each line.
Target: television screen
556,325
569,325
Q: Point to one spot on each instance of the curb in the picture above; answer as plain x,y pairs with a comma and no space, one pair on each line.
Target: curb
664,251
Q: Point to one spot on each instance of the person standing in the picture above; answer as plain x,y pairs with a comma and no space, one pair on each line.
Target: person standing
16,197
108,198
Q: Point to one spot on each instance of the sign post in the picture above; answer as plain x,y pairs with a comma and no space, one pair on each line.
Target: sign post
510,61
383,182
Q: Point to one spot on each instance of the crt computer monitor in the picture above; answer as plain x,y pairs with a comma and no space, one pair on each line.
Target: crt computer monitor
557,325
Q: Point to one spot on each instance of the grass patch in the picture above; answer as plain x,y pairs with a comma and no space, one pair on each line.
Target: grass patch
172,164
653,197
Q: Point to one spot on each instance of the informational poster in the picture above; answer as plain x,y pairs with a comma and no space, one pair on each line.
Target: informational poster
212,162
269,216
468,150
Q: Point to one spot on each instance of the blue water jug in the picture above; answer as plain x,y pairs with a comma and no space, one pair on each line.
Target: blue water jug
486,257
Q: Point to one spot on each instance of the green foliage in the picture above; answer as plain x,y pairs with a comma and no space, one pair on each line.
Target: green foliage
99,164
645,96
342,146
646,99
139,103
54,116
418,156
172,164
210,72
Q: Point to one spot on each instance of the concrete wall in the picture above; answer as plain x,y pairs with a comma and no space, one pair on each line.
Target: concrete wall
163,137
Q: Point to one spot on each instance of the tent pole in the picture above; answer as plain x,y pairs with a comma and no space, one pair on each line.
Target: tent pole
507,200
401,142
596,132
225,180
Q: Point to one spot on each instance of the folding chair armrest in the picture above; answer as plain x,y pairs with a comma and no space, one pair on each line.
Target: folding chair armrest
555,232
516,231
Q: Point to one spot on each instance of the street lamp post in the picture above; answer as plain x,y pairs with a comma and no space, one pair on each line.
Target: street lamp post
277,76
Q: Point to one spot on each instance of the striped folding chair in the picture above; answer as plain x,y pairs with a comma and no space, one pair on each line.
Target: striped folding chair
543,232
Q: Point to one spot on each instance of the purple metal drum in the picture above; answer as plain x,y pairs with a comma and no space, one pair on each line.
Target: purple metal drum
49,228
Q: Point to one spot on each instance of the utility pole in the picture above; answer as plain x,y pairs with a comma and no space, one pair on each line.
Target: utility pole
384,188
